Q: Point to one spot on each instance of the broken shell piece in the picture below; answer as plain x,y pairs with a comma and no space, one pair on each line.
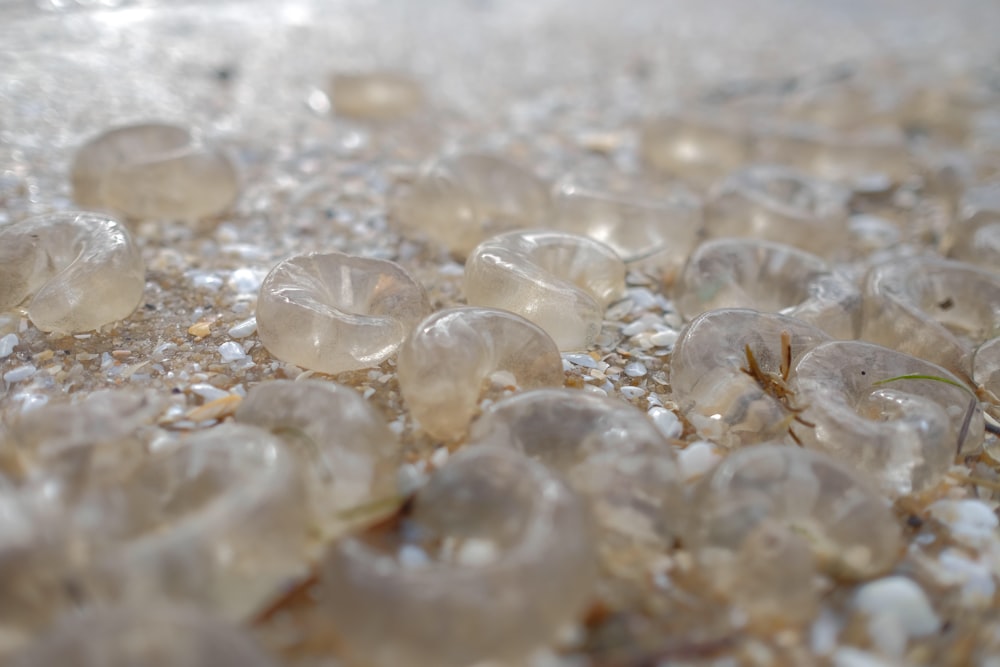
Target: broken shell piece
849,528
730,373
376,95
781,205
935,309
899,418
636,225
609,452
562,282
773,509
152,636
333,312
75,271
216,520
153,170
345,450
445,361
769,277
460,200
696,148
495,557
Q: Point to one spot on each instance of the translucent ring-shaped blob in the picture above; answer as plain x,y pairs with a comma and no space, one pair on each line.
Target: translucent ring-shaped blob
975,236
445,361
849,529
333,312
460,200
935,309
375,95
217,520
782,205
153,170
710,374
609,452
636,227
770,277
903,432
345,451
562,282
150,636
76,271
496,556
696,148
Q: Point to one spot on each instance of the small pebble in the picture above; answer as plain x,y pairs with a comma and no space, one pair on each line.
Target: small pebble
972,520
636,369
232,351
697,459
208,392
664,338
200,329
632,392
848,656
584,360
244,328
668,423
900,600
7,345
18,374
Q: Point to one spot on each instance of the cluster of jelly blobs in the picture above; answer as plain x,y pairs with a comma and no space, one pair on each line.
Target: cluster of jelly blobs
834,251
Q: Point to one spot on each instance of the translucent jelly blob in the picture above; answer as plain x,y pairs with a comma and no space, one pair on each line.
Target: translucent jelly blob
345,451
146,635
445,362
375,95
609,451
900,419
770,277
333,312
218,520
636,224
496,555
782,205
697,148
73,271
773,515
974,237
716,385
935,309
459,200
562,282
986,366
153,170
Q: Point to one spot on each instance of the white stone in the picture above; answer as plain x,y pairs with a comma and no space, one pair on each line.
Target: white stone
244,328
19,373
901,601
208,392
969,519
584,360
232,351
632,392
636,369
665,420
697,459
7,345
664,338
849,656
975,578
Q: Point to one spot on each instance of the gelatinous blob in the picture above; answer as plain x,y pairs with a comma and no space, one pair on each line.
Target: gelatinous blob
151,636
345,450
698,149
562,282
333,312
375,95
495,557
219,520
153,170
782,205
869,160
445,361
636,225
74,271
975,235
986,367
935,309
714,382
773,509
768,276
460,200
903,432
609,452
